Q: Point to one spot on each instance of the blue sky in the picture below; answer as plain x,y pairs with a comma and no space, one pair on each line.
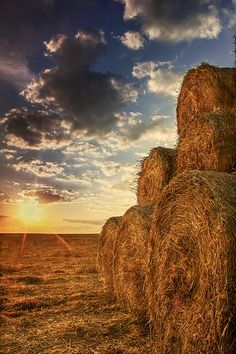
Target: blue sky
87,88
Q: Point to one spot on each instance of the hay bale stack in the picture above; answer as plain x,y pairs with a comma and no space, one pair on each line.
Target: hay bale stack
205,89
193,264
210,144
155,173
106,252
130,261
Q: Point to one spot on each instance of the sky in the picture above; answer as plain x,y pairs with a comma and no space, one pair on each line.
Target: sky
87,88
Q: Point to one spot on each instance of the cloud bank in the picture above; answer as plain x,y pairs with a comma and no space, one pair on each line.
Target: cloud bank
175,21
86,98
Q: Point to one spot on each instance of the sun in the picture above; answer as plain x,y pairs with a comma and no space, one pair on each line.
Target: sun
30,212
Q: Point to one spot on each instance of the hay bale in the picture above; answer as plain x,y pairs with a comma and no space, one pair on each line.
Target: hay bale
155,173
205,89
210,144
106,252
130,261
193,264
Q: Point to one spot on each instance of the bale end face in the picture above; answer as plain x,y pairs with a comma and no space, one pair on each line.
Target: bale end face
105,257
130,262
155,173
193,264
205,89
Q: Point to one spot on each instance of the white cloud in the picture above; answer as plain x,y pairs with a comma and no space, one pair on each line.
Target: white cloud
39,168
132,40
174,22
162,79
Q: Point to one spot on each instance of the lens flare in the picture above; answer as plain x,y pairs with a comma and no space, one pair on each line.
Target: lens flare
30,212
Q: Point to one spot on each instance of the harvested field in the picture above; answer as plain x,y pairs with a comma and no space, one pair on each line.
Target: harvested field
106,252
205,89
191,283
52,300
210,144
156,171
130,262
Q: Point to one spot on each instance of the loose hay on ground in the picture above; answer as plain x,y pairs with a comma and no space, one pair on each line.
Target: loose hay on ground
106,251
210,144
155,173
130,262
205,89
193,264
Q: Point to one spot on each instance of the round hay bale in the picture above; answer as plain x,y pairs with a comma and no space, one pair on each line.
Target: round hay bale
106,252
130,261
210,144
191,282
155,173
205,89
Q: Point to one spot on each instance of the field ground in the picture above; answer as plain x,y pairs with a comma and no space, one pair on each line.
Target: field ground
52,300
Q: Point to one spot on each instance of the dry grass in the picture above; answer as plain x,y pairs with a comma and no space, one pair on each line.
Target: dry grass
210,144
130,261
156,170
106,252
191,284
67,310
205,89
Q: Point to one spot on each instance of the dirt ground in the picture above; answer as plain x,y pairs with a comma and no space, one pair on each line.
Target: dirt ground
52,300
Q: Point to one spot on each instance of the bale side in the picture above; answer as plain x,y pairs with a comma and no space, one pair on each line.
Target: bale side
210,144
191,282
106,252
155,173
130,261
205,89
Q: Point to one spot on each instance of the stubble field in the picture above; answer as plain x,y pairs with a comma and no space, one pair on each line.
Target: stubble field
52,300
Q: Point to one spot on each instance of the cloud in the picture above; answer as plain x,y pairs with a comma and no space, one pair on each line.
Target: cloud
39,168
13,66
84,221
162,78
48,194
132,40
133,130
176,21
4,217
230,14
88,99
34,129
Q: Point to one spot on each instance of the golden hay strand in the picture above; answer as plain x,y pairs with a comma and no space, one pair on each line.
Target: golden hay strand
130,261
156,171
106,252
191,283
210,144
205,89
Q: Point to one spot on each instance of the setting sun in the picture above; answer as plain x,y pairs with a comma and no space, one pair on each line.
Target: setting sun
30,212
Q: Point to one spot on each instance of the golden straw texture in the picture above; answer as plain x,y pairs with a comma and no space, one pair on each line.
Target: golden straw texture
205,89
192,269
130,261
155,173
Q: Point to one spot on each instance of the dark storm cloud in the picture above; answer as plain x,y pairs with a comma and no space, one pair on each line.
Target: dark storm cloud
24,128
89,100
48,196
4,217
177,20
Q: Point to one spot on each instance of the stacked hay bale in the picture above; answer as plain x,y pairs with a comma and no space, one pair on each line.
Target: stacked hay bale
189,256
156,171
192,272
106,252
130,259
205,89
209,144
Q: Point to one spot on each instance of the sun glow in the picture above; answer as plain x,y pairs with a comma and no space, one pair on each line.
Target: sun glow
30,213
